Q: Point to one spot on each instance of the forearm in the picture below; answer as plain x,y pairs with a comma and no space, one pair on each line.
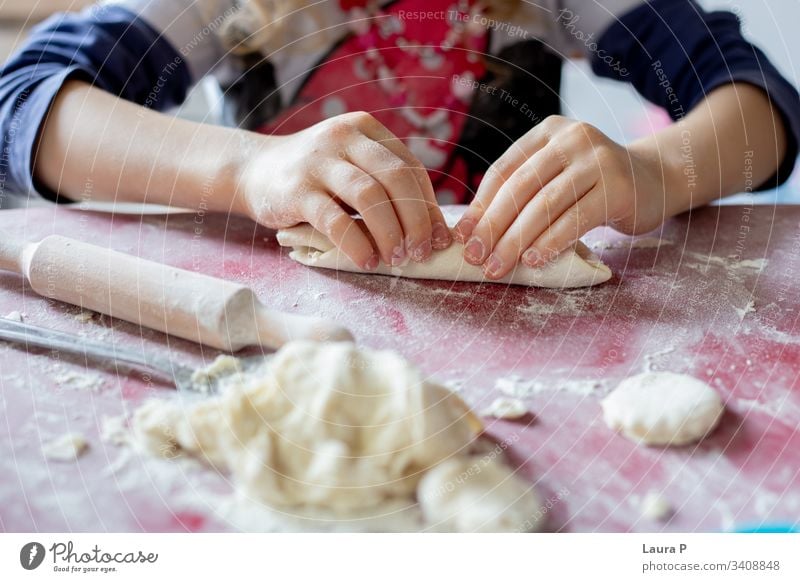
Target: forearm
731,141
95,146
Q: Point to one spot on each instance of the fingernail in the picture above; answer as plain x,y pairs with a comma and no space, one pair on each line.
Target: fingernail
464,228
474,250
493,266
372,263
398,255
441,236
531,257
422,252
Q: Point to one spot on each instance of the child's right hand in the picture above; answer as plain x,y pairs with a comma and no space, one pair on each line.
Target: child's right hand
349,162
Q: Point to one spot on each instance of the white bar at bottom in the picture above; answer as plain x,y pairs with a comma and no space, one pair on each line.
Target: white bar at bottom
406,557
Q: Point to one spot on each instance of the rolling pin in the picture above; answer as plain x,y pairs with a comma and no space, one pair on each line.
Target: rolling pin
192,306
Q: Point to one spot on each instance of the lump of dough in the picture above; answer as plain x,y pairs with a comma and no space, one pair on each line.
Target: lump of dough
663,408
14,316
478,494
67,447
507,408
575,267
655,507
323,425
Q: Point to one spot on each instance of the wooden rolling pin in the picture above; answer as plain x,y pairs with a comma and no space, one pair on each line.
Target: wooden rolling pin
196,307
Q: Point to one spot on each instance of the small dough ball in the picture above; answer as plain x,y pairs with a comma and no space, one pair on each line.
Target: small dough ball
476,494
507,408
14,316
655,507
663,408
67,447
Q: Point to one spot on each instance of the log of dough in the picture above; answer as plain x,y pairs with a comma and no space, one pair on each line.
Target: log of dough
575,267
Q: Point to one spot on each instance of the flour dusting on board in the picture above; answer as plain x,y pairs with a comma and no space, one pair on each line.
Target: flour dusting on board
646,242
702,262
519,387
566,304
79,380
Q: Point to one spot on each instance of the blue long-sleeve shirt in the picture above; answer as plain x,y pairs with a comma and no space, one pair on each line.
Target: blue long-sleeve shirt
108,46
152,52
675,54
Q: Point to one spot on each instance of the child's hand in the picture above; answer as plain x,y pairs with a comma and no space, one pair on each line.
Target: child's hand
560,180
344,164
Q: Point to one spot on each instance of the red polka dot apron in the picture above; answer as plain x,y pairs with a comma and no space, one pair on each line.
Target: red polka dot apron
411,66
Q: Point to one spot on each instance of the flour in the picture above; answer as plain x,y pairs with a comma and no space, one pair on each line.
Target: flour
702,262
114,430
646,242
65,448
566,304
663,408
749,308
80,380
454,384
752,264
650,358
519,387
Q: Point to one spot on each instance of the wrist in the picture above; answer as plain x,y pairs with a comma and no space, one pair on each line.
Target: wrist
227,183
671,168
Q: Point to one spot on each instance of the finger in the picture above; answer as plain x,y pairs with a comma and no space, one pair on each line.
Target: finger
512,197
440,232
410,206
324,214
589,212
366,196
555,198
502,170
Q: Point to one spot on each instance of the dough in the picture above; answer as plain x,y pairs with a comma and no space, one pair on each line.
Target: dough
224,367
326,425
478,494
576,267
508,408
655,507
66,448
663,408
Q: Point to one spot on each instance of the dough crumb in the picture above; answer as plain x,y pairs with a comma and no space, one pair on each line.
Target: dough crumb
663,408
15,316
114,430
749,308
84,316
655,507
508,408
223,366
66,448
80,381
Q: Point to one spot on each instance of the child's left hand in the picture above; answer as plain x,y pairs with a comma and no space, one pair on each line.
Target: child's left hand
560,180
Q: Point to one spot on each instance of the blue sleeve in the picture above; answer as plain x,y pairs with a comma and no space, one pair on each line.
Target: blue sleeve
674,53
107,46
